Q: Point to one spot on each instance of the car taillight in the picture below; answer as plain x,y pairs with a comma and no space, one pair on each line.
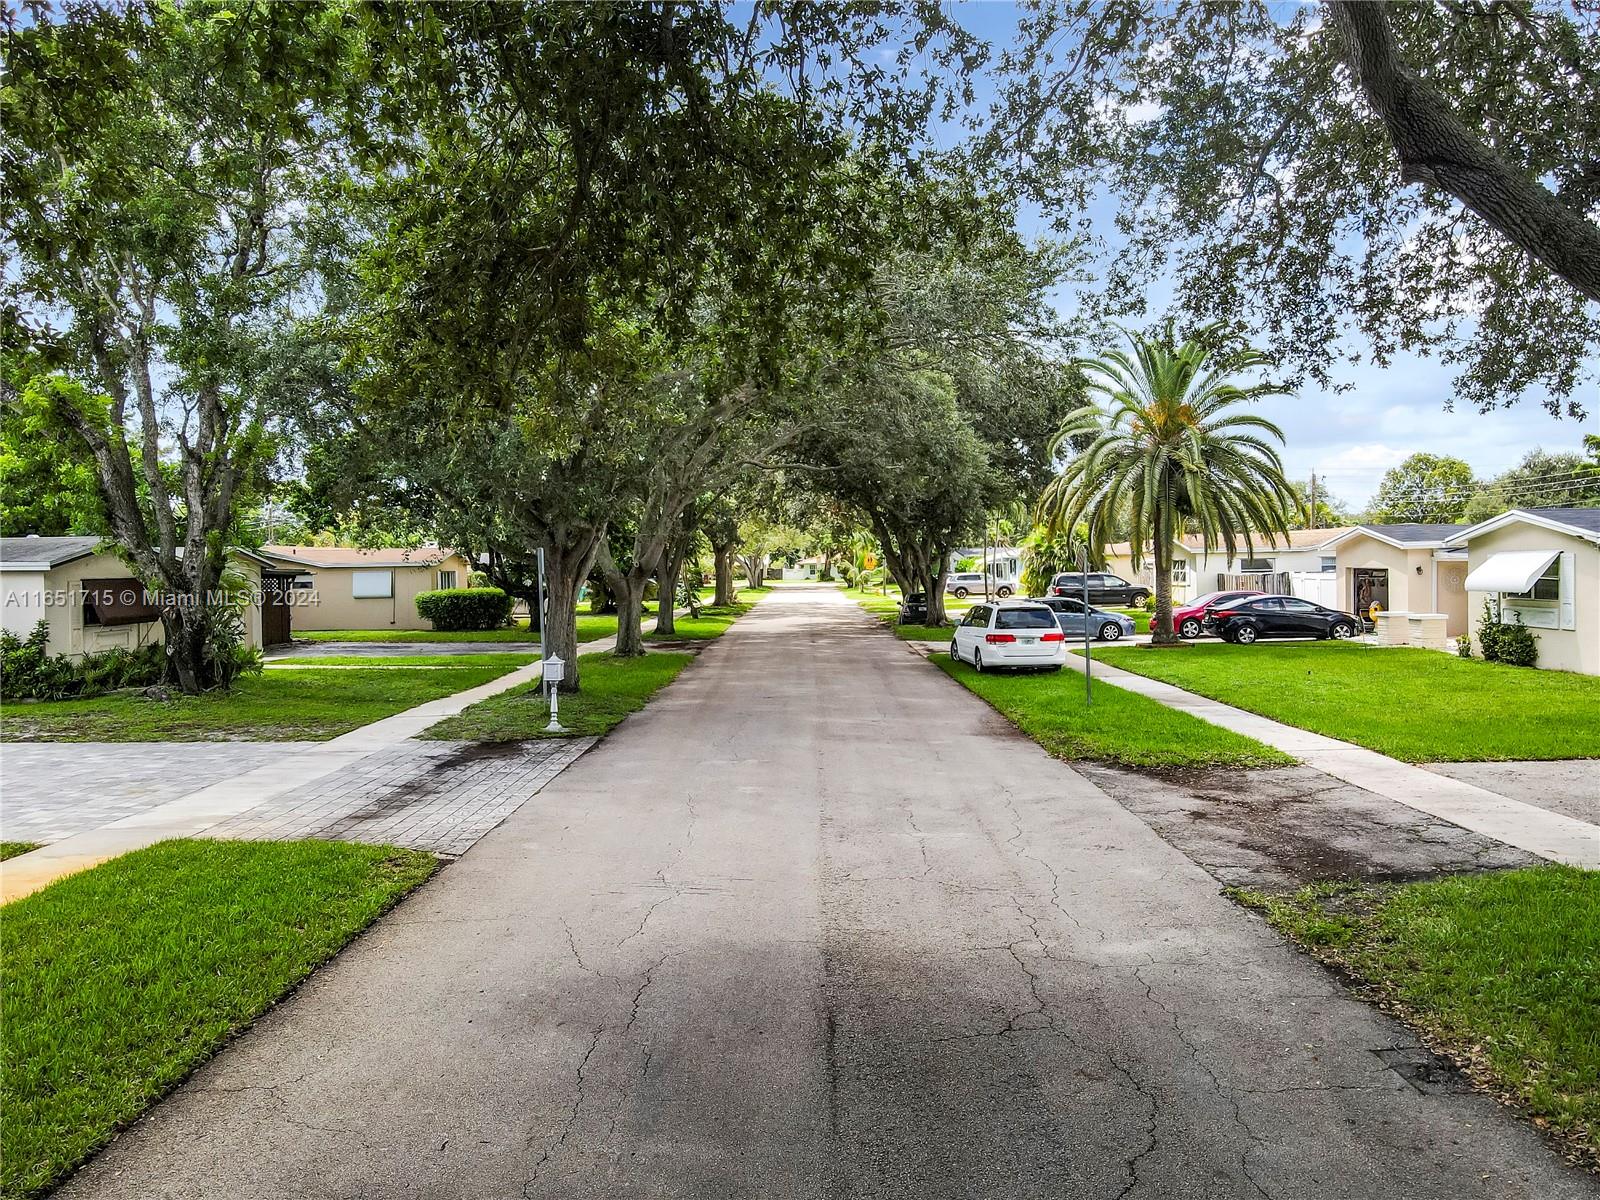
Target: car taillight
1058,591
1221,613
995,639
1054,637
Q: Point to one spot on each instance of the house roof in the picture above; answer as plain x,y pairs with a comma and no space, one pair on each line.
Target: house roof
1581,522
43,553
1297,539
1405,536
356,556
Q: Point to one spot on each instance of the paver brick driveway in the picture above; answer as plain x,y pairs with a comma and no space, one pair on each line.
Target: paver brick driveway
817,923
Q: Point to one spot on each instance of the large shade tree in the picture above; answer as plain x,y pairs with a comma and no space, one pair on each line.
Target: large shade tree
1169,452
1422,175
159,159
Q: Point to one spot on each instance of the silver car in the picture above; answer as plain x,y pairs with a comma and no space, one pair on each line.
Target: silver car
962,584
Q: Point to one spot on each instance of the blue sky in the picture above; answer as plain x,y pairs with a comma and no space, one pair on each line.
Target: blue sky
1351,435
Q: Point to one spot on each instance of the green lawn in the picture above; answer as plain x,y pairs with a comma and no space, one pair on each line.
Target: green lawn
1502,970
120,980
489,659
1120,727
591,628
711,623
611,689
12,849
302,705
1415,705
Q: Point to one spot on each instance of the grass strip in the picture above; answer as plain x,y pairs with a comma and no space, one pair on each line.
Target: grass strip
12,849
611,689
1499,971
1411,704
711,623
121,979
1120,727
307,705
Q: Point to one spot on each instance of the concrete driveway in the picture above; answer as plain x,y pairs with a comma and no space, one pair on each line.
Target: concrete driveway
817,923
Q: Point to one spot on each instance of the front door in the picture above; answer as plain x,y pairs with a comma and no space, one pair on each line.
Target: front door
1369,586
275,610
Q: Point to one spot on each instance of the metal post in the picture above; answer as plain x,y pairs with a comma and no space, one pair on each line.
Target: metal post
1088,658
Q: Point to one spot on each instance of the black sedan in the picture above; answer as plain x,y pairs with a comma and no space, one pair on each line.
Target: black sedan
1244,621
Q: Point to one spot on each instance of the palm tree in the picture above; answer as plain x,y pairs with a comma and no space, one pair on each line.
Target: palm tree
1166,453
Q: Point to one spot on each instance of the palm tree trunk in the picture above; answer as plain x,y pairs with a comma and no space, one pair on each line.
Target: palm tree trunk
1161,627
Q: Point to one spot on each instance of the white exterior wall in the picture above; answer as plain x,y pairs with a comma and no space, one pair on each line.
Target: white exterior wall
1576,649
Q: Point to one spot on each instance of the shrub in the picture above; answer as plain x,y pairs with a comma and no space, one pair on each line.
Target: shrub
1464,645
1509,642
29,672
465,608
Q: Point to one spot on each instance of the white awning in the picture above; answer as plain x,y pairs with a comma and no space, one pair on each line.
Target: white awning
1510,570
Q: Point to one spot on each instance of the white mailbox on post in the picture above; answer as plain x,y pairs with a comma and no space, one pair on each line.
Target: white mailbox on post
554,671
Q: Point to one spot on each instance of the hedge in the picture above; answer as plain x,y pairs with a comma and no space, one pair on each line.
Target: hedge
465,608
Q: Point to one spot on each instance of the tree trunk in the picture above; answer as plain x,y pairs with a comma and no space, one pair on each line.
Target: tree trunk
183,625
725,593
566,566
666,606
937,568
755,569
628,588
1438,150
1161,626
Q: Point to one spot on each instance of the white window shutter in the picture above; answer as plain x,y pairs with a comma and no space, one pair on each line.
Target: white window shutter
1569,583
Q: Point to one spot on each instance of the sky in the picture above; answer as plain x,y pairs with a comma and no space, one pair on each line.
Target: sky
1373,417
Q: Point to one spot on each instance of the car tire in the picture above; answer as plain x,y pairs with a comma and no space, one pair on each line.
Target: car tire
1341,631
1002,592
1110,631
1189,629
1245,635
955,651
961,593
1137,599
977,660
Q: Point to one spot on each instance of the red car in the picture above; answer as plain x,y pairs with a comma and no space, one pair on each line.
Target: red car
1191,620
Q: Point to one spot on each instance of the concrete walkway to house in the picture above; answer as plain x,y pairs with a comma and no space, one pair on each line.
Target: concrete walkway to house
1545,832
298,767
819,923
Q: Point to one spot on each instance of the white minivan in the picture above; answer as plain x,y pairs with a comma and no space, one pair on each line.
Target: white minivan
1010,634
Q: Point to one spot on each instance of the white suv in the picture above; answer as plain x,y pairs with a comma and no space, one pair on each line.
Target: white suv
962,584
1012,633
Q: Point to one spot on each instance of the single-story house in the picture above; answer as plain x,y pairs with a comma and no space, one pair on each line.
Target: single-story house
1264,563
89,597
345,587
1004,562
1410,568
1542,565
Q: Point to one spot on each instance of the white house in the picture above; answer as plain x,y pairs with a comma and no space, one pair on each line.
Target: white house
1542,565
1408,568
1263,564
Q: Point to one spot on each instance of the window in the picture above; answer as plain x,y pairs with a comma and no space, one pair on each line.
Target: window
447,579
1330,562
1025,618
371,585
1290,604
1546,588
1180,571
1255,564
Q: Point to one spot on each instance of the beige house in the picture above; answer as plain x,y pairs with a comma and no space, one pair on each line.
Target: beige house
1410,568
1543,565
1196,571
342,587
88,596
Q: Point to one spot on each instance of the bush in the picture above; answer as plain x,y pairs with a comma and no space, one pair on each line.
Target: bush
1512,643
29,672
1464,645
465,608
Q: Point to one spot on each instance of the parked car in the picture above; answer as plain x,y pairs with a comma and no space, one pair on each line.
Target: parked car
1107,626
1010,634
962,584
1194,618
914,609
1103,589
1281,616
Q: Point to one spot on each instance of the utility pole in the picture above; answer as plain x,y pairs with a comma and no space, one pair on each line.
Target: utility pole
1313,516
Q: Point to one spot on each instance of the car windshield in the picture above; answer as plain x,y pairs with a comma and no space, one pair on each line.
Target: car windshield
1025,618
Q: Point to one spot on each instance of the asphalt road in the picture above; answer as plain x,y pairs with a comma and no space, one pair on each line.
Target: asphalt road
819,924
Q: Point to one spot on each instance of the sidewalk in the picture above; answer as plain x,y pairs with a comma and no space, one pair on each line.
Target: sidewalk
199,810
1548,834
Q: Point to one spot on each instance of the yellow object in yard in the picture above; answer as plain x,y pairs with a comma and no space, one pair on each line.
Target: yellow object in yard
1372,613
